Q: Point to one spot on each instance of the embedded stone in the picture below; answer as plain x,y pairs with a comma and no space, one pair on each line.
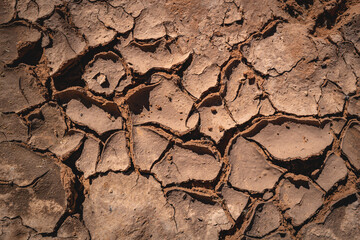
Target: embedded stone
103,73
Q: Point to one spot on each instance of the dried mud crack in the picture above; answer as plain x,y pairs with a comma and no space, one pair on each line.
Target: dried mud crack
179,119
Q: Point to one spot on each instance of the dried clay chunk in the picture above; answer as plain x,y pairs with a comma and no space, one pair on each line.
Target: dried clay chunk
294,140
182,164
92,116
342,222
266,219
235,201
249,168
89,157
148,146
18,89
351,145
165,104
39,196
115,155
104,73
116,203
299,202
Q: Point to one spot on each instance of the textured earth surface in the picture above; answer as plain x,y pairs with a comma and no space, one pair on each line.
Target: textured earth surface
180,119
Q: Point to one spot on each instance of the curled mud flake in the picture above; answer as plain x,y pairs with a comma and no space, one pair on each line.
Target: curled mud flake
92,116
89,157
12,128
341,223
235,201
175,106
16,41
160,56
201,75
128,207
115,156
182,165
332,100
354,106
196,219
291,43
47,127
68,144
351,146
32,10
299,200
103,74
94,30
39,196
214,119
14,229
334,171
266,219
7,10
18,89
292,140
249,168
148,146
72,227
67,44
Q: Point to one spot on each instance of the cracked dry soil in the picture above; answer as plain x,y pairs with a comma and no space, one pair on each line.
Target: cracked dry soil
180,119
